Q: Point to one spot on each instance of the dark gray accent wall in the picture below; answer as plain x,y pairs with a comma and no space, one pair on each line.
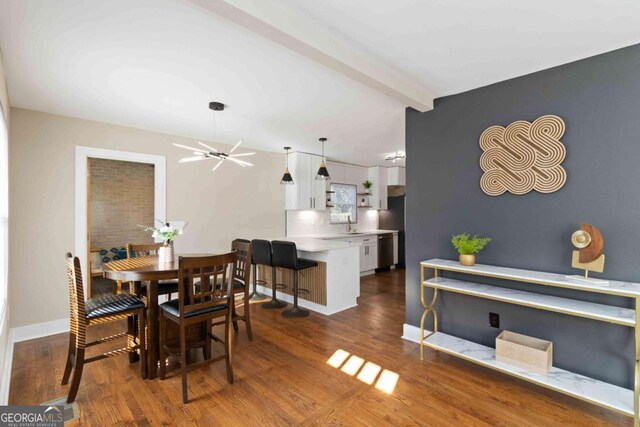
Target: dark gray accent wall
599,100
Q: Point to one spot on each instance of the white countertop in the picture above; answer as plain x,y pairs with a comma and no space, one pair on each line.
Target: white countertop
328,242
347,235
311,244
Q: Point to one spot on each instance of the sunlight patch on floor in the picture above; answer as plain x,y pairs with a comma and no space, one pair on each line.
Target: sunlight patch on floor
367,372
338,358
387,381
353,365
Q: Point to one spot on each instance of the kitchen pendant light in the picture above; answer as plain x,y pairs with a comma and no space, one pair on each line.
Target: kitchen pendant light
287,178
323,173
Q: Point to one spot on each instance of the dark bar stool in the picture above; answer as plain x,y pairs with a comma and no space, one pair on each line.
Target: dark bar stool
285,255
262,255
255,296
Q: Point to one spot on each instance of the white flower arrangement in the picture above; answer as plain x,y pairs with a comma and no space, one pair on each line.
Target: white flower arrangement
166,232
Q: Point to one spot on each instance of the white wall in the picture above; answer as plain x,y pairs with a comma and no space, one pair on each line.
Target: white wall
4,311
231,202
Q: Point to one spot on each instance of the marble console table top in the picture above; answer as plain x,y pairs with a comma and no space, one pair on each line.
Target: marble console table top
627,289
585,388
608,313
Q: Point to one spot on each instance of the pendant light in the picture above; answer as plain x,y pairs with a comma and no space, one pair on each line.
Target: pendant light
287,178
323,173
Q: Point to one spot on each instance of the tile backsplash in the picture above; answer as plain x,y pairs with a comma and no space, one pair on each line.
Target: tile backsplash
304,223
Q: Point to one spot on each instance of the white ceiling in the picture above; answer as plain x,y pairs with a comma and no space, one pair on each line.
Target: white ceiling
453,46
155,64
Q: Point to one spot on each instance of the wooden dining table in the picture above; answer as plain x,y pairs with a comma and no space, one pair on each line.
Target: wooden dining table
147,269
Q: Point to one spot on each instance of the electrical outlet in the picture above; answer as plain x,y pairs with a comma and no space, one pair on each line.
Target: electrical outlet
494,320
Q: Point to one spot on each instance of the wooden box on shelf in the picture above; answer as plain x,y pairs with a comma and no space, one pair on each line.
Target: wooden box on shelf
525,352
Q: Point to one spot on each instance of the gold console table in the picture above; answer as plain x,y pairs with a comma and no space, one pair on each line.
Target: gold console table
588,389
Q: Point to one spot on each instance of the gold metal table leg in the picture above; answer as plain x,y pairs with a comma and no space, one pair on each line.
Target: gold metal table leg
636,377
430,308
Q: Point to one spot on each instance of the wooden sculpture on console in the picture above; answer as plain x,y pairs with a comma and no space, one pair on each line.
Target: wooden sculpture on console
589,257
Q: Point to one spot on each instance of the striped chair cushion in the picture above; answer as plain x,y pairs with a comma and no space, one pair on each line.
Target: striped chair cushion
109,305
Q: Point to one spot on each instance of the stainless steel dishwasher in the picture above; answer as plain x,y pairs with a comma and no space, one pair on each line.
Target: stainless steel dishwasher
385,250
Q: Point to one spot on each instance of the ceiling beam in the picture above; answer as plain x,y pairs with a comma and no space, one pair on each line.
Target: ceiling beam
305,37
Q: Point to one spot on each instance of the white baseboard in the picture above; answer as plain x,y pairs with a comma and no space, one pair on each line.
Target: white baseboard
23,333
304,303
6,374
39,330
8,357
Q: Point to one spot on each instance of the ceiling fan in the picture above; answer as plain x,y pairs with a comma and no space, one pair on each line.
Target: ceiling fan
399,155
212,153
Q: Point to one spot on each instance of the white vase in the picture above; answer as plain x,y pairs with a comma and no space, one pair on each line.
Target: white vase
165,253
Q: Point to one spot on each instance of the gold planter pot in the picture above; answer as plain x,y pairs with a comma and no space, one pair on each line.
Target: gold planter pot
467,259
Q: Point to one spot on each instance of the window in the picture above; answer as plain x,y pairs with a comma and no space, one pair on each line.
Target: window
343,199
4,210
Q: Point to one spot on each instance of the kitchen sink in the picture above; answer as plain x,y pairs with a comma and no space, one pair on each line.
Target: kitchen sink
354,233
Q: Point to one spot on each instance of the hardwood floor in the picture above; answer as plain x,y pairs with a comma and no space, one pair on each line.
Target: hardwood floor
282,378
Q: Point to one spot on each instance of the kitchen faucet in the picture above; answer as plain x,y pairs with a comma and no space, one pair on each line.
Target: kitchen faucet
349,224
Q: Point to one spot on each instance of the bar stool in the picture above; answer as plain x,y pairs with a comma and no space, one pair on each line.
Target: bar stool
285,255
262,255
255,296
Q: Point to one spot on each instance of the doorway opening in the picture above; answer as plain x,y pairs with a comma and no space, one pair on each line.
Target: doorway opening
114,215
120,197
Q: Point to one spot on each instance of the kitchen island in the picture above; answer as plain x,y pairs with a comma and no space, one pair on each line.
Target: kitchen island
334,285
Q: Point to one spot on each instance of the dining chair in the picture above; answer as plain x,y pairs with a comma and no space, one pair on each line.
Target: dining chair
198,304
242,267
93,311
165,287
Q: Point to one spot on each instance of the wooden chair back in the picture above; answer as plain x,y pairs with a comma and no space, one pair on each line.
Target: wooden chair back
206,273
242,266
143,249
77,310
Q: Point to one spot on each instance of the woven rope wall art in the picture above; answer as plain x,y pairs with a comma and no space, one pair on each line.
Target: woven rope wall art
523,157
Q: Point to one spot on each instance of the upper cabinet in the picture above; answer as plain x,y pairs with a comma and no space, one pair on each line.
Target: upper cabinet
396,176
306,193
343,173
378,176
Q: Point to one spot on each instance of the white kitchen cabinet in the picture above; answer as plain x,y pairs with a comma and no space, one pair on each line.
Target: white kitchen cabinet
343,173
396,176
356,175
306,193
319,188
337,172
378,177
370,254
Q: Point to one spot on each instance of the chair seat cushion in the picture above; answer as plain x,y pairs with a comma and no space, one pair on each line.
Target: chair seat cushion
306,263
237,285
173,308
165,287
108,305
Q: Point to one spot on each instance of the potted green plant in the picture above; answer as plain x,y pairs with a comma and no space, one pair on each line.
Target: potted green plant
367,186
468,246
